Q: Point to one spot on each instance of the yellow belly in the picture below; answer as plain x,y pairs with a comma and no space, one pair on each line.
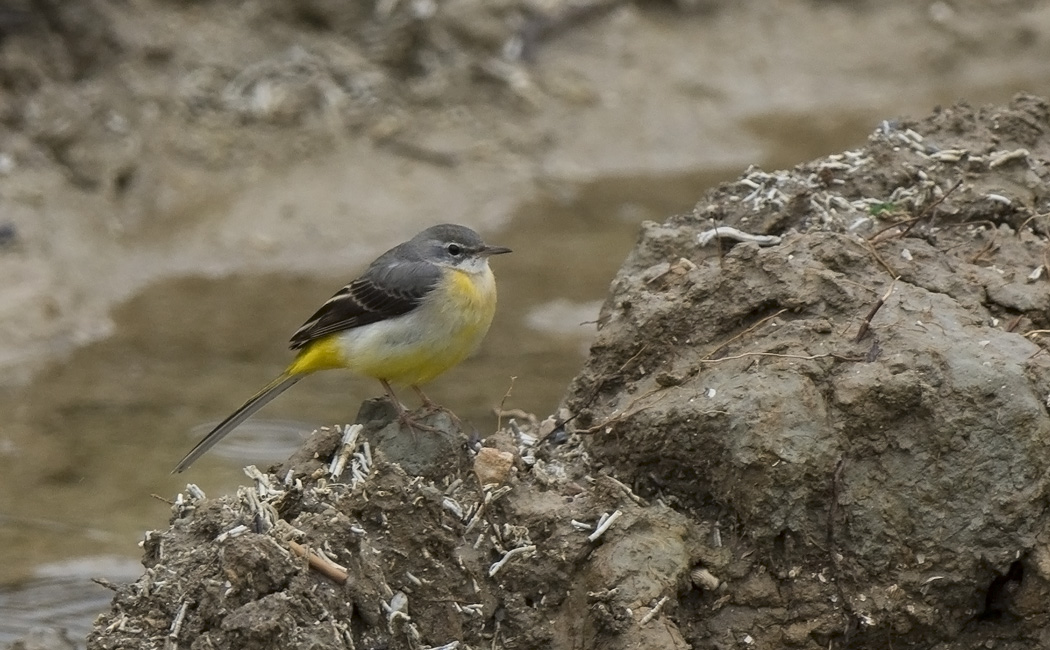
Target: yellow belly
413,348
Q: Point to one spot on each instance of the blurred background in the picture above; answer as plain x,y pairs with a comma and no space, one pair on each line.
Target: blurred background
182,184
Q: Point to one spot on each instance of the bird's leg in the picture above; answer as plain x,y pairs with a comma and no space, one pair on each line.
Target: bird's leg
403,414
430,406
428,403
401,410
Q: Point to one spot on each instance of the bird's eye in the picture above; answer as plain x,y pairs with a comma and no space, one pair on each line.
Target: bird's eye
455,250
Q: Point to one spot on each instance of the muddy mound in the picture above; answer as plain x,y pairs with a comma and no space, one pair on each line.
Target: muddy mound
861,405
372,538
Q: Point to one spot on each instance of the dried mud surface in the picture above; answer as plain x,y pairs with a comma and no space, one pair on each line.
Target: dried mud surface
889,488
775,477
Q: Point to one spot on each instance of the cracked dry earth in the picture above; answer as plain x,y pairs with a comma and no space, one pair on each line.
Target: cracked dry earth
836,440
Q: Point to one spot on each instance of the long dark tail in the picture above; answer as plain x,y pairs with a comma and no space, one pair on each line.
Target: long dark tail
256,402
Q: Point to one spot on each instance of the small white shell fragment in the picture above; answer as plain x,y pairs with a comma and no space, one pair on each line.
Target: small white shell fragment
1036,274
704,579
906,254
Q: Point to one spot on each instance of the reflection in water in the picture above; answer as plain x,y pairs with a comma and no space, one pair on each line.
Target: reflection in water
63,595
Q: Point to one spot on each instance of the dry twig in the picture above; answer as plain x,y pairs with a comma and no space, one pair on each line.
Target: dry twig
742,334
320,563
800,357
502,402
629,411
866,325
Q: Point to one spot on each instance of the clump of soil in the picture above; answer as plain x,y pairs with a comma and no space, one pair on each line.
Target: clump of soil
836,440
863,407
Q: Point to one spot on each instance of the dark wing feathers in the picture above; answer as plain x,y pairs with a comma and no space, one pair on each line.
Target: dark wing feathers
382,292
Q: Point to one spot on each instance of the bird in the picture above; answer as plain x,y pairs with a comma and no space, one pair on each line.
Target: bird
418,310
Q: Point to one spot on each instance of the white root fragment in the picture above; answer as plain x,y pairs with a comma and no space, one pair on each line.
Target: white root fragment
521,550
262,481
627,490
450,504
233,532
176,624
949,155
1006,157
490,497
654,612
602,520
725,232
474,609
453,486
346,449
604,526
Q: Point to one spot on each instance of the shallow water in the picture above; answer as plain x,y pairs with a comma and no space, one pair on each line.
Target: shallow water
62,595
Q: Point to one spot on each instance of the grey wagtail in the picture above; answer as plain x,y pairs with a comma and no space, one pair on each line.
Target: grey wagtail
419,309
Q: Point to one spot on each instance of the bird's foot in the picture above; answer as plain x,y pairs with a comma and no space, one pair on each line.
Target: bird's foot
430,407
411,421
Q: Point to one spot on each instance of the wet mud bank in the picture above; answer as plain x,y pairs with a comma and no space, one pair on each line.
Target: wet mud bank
831,434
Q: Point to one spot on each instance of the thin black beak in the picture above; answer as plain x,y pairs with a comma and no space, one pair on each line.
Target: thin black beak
494,250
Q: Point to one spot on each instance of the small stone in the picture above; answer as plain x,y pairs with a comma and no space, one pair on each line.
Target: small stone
493,465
